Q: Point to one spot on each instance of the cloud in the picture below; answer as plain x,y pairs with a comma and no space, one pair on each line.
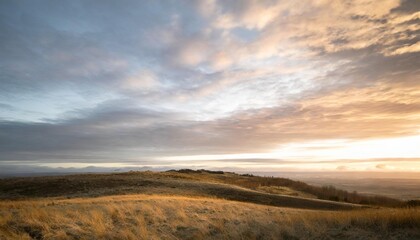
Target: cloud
190,53
407,49
6,107
250,14
139,80
143,80
324,26
381,166
342,168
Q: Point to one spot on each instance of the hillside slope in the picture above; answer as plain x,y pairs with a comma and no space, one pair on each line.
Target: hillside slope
187,204
177,184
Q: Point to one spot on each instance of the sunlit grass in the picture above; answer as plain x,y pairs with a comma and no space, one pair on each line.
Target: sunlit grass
175,217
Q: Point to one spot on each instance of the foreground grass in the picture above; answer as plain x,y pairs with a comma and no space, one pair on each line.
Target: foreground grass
175,217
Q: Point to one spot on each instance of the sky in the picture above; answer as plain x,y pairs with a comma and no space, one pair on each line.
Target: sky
328,85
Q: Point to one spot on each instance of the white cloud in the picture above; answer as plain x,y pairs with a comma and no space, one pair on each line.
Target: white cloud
143,80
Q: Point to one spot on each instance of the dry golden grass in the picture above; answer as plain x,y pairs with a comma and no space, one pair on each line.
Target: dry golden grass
176,217
187,205
283,191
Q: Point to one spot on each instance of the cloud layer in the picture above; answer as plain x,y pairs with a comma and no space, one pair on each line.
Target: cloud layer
133,82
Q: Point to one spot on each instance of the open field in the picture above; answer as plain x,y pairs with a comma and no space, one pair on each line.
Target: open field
187,205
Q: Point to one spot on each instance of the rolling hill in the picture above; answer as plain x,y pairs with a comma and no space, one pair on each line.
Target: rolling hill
188,204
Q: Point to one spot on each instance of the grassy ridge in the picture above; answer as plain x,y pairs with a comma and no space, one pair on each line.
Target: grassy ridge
169,183
185,182
326,192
